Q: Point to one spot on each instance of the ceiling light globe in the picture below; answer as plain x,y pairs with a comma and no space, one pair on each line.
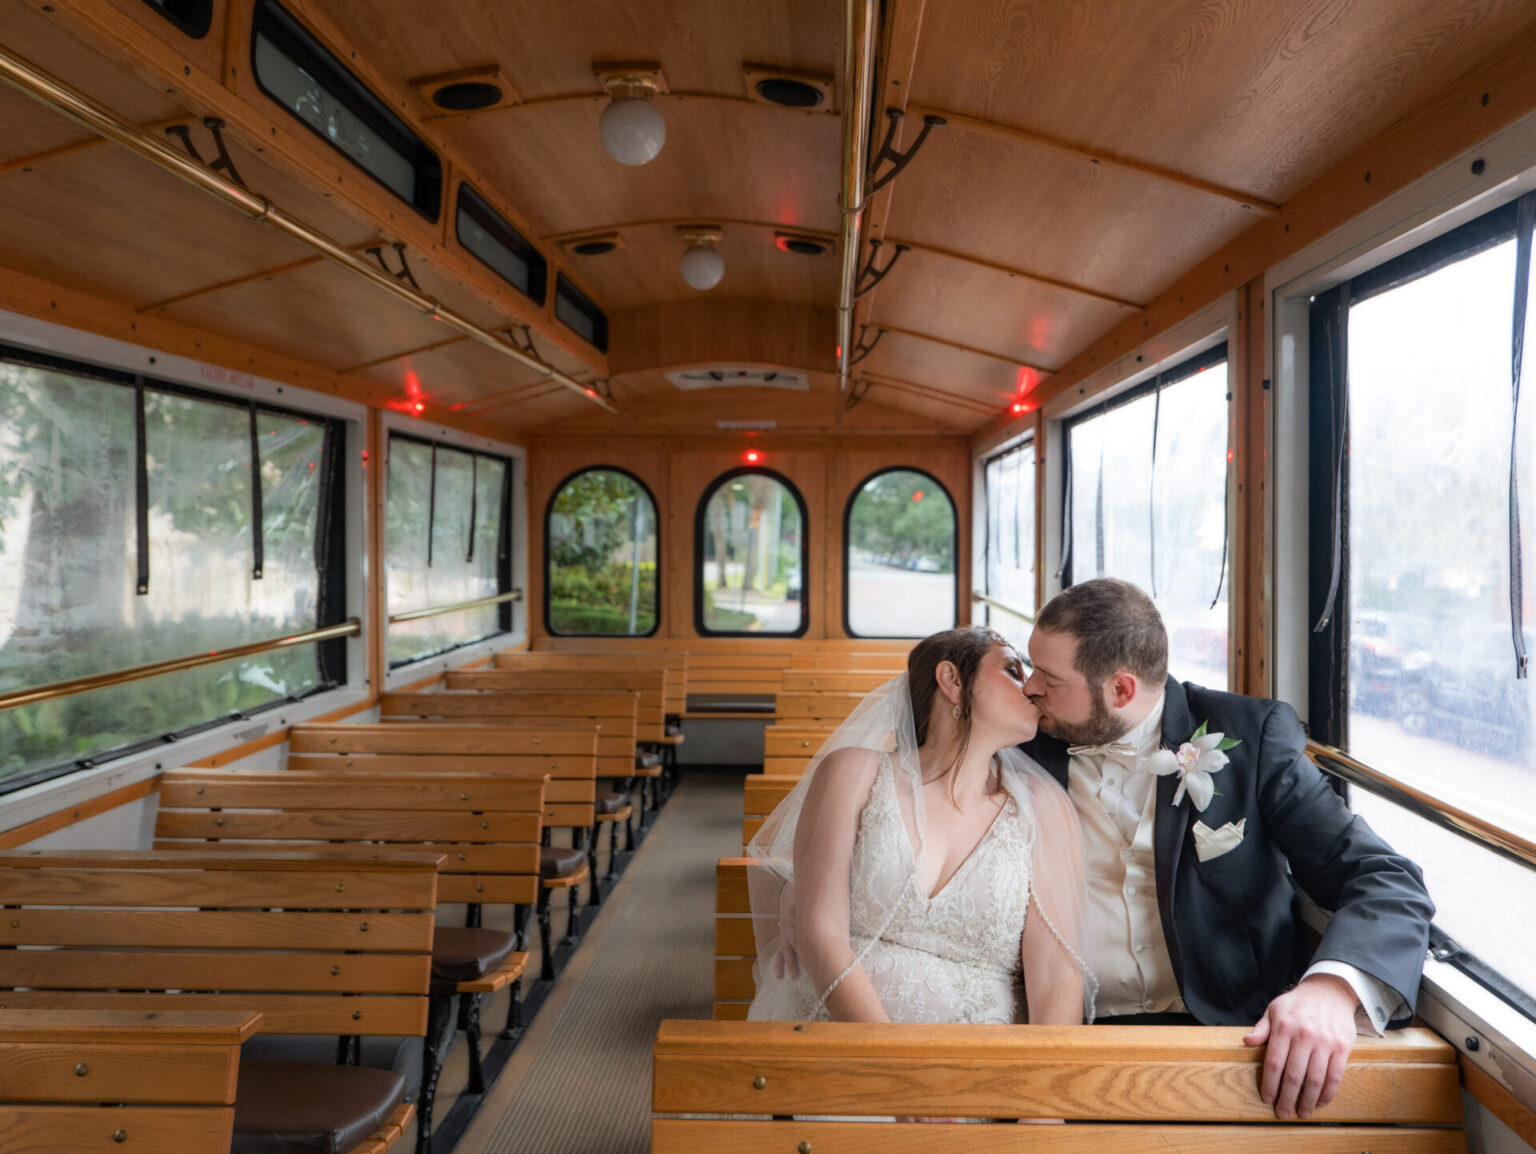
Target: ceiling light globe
632,129
703,267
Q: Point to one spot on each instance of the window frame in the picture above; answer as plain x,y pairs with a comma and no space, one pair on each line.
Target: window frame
954,514
506,548
549,509
302,47
505,234
983,562
699,529
332,595
195,24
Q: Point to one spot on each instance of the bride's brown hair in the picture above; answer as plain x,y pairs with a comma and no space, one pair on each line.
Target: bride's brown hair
964,648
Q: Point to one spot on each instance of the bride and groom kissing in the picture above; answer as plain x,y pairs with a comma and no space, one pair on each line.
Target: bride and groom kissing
1089,841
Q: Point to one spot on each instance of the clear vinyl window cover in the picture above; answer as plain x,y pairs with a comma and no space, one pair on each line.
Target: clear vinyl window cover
1147,502
1008,573
1423,609
601,562
69,602
444,513
899,563
499,246
752,571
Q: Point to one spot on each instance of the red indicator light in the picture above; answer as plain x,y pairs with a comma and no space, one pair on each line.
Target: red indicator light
917,496
419,407
751,456
590,392
1018,407
1229,454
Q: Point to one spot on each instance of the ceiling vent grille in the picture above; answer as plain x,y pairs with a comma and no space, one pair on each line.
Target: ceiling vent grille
739,377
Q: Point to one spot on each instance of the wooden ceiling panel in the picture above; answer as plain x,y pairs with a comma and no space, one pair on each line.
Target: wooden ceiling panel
318,312
1032,323
1115,231
459,376
723,159
546,47
906,359
30,128
1247,93
646,270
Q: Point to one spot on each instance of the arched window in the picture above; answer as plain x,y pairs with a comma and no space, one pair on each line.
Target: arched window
600,550
751,573
899,577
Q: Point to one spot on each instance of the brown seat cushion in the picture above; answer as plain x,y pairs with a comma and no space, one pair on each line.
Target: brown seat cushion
611,802
557,862
308,1107
462,954
647,760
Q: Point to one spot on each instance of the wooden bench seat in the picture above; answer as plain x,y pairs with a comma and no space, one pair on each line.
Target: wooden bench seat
98,1080
564,751
318,941
487,828
1134,1088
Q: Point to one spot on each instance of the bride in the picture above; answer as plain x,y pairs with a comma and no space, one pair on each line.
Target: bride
924,869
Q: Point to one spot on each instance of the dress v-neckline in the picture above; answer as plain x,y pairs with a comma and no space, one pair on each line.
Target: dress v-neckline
906,840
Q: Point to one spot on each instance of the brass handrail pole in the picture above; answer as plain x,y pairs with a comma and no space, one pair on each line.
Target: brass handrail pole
53,92
858,81
438,610
59,689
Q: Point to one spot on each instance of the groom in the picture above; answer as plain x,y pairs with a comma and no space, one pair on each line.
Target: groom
1191,913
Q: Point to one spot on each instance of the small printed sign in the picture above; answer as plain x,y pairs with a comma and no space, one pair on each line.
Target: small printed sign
227,376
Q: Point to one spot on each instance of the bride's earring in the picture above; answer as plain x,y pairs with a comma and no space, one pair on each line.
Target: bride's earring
955,712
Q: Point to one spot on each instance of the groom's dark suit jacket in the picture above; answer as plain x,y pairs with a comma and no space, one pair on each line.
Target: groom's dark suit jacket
1231,922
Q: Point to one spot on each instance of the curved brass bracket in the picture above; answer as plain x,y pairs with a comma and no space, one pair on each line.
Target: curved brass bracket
876,275
862,350
223,162
524,345
405,274
857,391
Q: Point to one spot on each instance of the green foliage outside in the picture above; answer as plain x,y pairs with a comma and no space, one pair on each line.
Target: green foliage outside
887,521
593,526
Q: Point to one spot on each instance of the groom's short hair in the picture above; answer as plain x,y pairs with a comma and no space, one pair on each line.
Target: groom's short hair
1117,627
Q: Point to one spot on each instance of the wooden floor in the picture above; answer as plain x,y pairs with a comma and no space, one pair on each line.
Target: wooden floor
580,1080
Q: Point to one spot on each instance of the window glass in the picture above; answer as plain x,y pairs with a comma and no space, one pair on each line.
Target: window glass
751,550
297,71
69,605
578,313
444,512
601,574
1009,565
1148,504
1432,694
500,246
192,16
901,557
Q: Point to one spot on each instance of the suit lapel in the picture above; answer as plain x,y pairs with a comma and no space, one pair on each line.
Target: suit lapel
1171,822
1051,753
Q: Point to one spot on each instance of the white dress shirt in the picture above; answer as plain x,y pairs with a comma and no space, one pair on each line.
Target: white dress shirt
1124,932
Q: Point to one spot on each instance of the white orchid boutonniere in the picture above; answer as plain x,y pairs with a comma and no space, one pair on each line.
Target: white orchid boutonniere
1198,758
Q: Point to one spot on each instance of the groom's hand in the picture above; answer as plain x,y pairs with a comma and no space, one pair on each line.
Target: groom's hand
1309,1032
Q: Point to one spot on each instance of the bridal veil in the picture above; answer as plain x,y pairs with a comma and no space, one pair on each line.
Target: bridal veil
883,723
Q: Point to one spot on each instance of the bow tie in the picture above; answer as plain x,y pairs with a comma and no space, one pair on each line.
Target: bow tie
1110,749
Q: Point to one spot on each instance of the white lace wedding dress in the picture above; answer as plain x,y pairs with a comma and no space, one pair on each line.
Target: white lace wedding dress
952,957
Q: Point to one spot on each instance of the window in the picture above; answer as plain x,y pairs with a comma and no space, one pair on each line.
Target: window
499,246
1146,497
448,536
899,575
1008,569
297,71
600,559
194,17
577,312
1416,593
99,573
752,567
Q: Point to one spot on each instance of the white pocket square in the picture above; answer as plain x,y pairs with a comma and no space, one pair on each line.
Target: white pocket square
1211,843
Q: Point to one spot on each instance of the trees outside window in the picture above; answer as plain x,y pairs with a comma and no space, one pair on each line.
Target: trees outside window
900,556
751,574
600,536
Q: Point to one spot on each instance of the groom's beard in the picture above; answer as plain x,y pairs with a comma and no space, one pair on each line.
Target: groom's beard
1101,728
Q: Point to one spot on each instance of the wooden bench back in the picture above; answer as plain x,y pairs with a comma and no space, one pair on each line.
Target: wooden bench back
761,795
616,714
671,662
744,671
798,708
735,940
888,663
833,681
169,1078
318,942
564,753
1189,1088
486,826
651,685
787,749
